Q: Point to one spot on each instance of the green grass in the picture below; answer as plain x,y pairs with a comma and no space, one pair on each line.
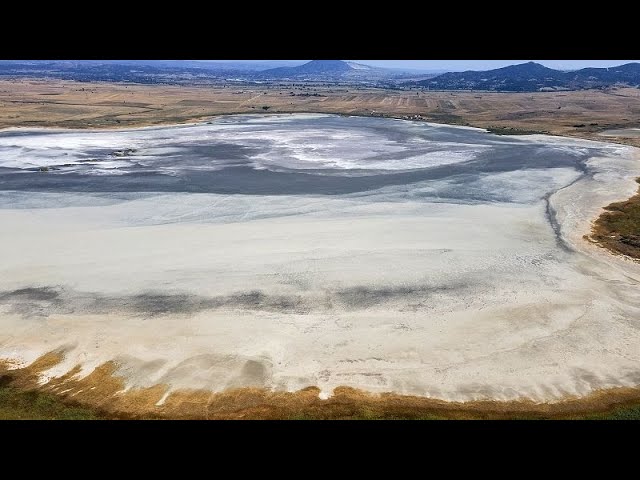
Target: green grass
444,117
364,413
625,413
513,131
622,413
32,405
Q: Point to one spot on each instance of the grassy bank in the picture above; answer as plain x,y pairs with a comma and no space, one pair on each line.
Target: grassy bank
33,404
16,404
618,228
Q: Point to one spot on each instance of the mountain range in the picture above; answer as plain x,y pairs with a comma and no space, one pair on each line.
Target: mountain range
531,77
525,77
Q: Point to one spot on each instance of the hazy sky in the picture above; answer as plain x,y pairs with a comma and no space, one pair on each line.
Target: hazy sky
488,64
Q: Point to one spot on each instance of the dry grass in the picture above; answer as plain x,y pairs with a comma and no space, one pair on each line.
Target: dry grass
101,395
69,104
618,228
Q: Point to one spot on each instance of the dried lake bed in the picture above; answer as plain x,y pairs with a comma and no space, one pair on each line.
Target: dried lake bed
287,251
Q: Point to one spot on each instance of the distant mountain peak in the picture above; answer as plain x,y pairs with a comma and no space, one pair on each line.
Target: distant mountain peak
526,67
326,63
320,68
359,66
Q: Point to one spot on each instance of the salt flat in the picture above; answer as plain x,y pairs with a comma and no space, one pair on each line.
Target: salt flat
294,250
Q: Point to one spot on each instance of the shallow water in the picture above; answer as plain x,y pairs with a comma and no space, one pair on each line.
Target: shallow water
274,155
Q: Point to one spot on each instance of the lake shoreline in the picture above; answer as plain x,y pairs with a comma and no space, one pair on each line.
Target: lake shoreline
362,404
101,396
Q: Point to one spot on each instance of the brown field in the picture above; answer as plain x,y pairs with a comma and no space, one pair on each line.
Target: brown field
66,104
